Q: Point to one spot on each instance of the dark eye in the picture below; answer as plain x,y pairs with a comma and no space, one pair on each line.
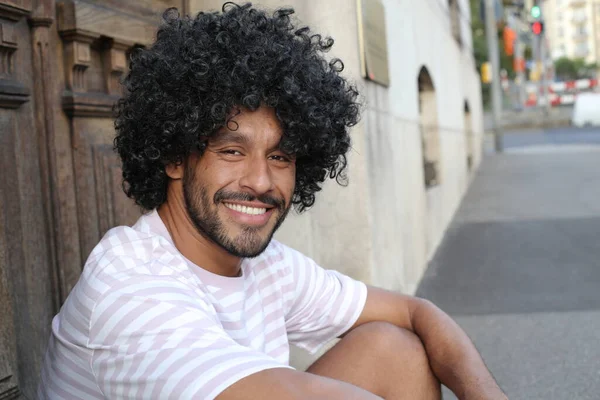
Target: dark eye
280,158
231,152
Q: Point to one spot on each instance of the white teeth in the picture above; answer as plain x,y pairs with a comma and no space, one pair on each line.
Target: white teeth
245,209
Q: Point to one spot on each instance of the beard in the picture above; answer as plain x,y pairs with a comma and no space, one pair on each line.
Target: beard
203,212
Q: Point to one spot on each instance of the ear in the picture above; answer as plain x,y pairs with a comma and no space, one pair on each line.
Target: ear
175,171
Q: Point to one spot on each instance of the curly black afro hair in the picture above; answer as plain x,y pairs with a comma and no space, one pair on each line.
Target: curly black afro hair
184,88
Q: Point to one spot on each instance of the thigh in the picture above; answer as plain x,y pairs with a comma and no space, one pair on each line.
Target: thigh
383,359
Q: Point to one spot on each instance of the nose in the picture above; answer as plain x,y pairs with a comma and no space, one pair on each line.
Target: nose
257,177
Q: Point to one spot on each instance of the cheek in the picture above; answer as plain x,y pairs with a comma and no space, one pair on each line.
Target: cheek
287,182
216,175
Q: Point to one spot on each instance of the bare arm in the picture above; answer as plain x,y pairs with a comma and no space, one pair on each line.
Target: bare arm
288,384
452,355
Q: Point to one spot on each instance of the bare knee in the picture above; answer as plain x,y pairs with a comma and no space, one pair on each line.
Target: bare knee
386,340
383,359
400,356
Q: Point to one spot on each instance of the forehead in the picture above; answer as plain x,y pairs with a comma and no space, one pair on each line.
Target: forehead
259,125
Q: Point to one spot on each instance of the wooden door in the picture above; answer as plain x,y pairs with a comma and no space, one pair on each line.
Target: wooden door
60,181
27,299
96,37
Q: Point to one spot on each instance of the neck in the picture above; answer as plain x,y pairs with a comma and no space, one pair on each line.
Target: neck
194,246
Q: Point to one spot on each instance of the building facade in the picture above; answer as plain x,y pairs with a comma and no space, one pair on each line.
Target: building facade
386,225
573,28
412,158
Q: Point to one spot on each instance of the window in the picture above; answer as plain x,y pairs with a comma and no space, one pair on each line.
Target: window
581,50
454,11
428,125
469,139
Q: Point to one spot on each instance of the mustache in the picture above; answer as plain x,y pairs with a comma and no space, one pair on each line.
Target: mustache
223,195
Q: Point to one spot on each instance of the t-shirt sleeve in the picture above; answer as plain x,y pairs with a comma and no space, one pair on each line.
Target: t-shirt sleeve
326,303
157,339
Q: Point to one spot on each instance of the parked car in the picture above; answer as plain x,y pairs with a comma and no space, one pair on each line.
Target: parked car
586,111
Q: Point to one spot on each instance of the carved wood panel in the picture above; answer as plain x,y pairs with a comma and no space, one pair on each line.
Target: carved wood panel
114,208
97,36
8,366
15,9
100,198
60,187
26,300
146,8
12,92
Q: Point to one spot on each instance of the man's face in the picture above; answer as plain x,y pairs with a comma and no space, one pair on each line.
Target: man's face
239,191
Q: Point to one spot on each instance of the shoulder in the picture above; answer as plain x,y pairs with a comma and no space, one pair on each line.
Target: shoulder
138,277
129,256
130,268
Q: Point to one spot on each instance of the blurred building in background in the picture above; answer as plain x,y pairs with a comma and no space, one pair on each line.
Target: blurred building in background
573,28
413,153
412,159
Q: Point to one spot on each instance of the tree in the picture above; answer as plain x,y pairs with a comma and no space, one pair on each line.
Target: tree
480,51
565,69
570,69
480,48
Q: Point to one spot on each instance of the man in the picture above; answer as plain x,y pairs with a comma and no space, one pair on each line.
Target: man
227,121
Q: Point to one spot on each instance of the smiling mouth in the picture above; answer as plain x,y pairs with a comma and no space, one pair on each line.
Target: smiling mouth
245,209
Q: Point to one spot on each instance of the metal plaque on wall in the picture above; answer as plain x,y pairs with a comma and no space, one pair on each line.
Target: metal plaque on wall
372,41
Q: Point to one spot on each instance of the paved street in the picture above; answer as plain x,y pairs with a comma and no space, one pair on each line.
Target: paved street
536,140
519,268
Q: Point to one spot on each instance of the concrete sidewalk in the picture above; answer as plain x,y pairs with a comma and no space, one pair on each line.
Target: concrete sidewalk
519,270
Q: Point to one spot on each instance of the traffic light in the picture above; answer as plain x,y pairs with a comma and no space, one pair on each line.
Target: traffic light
537,28
486,72
519,64
508,37
535,73
536,12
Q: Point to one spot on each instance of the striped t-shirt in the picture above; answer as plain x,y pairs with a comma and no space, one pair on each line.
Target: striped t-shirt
143,322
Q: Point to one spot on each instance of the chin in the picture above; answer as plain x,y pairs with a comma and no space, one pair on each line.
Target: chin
247,243
245,251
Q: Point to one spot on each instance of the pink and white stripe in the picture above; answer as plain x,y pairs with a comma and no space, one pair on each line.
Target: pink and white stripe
145,323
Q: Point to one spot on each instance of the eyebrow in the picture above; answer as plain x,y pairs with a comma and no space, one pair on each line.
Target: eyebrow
228,136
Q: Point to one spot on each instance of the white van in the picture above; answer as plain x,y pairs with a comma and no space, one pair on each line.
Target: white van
586,111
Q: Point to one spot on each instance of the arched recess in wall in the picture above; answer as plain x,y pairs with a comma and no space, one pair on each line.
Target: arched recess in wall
469,136
428,125
454,11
